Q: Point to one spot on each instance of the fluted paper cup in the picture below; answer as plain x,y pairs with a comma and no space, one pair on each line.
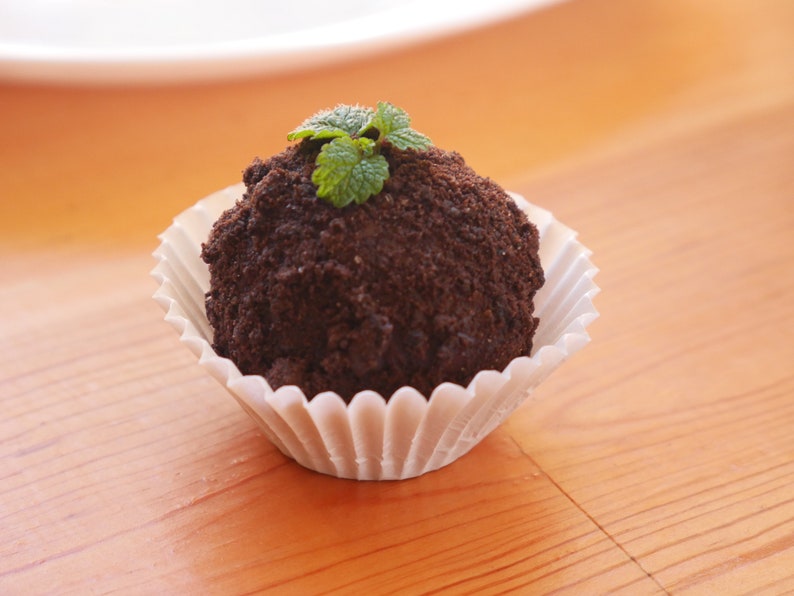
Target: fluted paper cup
373,438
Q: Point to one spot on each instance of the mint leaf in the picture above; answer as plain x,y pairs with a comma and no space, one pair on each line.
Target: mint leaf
350,167
389,118
349,170
408,138
394,127
342,121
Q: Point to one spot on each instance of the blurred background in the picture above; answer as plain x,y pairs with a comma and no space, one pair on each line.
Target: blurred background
516,88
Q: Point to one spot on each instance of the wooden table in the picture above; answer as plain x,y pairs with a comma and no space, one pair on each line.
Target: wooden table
658,460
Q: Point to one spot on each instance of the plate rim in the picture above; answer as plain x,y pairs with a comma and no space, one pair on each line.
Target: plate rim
310,47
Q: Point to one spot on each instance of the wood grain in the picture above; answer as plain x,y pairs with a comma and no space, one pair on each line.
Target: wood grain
134,458
685,401
658,460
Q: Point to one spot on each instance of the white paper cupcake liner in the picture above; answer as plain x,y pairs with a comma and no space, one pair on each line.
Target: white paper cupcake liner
372,438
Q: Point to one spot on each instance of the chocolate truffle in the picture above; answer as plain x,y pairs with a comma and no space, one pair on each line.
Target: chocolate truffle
430,280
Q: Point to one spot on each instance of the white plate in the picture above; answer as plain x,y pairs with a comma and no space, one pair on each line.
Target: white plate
178,40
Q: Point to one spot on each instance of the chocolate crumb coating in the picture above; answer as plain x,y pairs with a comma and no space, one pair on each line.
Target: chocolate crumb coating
431,280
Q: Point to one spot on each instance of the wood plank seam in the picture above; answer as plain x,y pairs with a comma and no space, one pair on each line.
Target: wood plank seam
600,527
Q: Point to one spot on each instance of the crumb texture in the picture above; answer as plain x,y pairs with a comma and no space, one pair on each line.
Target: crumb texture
429,281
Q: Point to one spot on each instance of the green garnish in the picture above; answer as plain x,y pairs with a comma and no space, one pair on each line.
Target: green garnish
350,167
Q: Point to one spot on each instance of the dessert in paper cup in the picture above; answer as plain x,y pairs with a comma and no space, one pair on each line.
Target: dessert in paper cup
379,318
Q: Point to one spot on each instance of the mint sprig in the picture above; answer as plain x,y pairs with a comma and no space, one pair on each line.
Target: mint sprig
350,167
